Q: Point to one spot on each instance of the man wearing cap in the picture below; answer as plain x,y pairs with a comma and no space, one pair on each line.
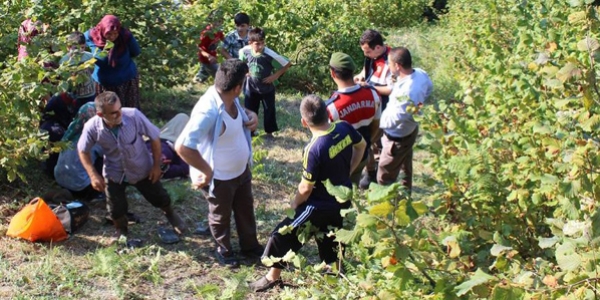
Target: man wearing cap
358,105
400,129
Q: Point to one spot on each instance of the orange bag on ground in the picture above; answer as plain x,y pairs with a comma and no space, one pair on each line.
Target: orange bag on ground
36,222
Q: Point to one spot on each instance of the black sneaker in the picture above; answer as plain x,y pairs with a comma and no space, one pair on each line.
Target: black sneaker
264,284
366,179
229,261
202,229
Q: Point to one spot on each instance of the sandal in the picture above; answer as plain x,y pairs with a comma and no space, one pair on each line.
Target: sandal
167,235
264,284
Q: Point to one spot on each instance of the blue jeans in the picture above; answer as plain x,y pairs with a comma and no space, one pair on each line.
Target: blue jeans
207,70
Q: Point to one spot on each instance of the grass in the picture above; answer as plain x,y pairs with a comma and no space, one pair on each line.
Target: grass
86,266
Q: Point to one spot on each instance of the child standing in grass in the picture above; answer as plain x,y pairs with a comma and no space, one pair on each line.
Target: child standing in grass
210,38
265,66
238,38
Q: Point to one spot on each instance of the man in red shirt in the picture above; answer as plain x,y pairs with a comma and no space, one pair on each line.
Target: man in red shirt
210,38
358,105
375,73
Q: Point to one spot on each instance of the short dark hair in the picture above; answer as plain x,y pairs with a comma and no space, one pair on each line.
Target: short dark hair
105,98
401,56
313,110
231,73
256,35
241,18
76,38
372,38
342,74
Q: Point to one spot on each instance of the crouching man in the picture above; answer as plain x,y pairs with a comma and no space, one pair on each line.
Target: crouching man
119,132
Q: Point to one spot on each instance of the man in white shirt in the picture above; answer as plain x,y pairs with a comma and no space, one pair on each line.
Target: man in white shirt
400,129
216,143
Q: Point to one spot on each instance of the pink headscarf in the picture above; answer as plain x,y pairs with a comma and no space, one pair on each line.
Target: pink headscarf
28,30
110,23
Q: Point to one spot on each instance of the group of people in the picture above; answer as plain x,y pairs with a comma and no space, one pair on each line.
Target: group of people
123,145
247,44
363,133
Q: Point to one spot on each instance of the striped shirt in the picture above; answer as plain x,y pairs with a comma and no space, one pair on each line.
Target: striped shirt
125,153
261,66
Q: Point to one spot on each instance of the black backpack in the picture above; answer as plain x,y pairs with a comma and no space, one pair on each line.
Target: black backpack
72,215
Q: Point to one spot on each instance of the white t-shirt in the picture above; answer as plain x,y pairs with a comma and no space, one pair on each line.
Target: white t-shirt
231,157
416,87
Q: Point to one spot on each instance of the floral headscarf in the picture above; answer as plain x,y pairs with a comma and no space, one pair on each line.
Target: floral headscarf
86,112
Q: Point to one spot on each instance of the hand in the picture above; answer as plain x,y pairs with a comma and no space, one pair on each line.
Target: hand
358,79
203,180
252,123
98,183
155,174
212,59
270,79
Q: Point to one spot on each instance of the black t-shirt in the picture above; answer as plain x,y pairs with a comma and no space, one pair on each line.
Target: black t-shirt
328,156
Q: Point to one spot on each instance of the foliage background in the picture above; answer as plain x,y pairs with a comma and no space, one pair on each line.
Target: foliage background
512,135
305,31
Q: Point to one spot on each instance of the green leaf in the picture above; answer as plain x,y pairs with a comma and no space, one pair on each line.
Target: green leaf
290,213
478,278
346,236
287,229
567,258
549,179
385,295
568,71
289,256
549,70
340,192
454,248
498,249
596,223
403,217
382,192
541,129
588,44
420,207
507,292
547,242
575,3
381,209
365,220
577,17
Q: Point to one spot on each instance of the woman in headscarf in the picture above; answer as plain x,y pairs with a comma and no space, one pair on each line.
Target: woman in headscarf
27,31
114,48
69,172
